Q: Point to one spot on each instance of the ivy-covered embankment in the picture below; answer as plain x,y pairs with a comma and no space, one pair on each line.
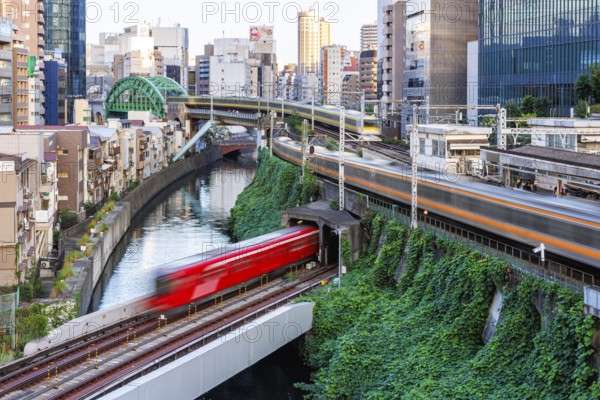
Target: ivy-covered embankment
276,187
421,337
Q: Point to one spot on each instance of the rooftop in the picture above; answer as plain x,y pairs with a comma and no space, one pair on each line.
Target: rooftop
555,155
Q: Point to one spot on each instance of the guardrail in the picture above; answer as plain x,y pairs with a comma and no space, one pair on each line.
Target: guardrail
522,261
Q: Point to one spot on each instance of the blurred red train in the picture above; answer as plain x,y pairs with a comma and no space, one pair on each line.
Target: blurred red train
189,279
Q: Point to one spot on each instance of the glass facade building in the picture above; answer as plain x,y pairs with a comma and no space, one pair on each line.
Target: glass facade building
65,30
537,48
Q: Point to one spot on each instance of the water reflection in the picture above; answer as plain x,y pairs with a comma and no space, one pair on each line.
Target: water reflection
193,217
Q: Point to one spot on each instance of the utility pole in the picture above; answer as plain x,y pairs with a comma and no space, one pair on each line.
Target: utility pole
342,165
500,124
414,150
304,148
272,132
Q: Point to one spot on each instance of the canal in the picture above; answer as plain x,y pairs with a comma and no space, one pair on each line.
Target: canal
189,217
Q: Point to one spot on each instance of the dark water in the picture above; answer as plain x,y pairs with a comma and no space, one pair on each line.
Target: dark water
186,219
192,218
272,378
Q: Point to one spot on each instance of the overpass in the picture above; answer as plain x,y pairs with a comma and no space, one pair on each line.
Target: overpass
255,112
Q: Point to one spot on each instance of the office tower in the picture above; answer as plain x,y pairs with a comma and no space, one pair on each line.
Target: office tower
65,30
538,51
313,34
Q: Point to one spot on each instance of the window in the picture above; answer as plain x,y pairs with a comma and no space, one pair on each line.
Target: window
421,146
63,152
64,175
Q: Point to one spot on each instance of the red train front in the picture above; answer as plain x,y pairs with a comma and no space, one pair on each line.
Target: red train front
184,281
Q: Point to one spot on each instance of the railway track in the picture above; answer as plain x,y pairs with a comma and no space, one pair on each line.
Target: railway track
397,153
138,347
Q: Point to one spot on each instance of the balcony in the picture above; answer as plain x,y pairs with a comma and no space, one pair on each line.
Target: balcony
43,217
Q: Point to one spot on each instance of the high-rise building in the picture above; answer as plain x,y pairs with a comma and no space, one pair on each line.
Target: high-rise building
393,53
65,30
368,37
538,51
36,86
20,82
137,54
203,75
381,4
368,74
6,72
173,43
55,88
28,16
332,58
313,34
436,50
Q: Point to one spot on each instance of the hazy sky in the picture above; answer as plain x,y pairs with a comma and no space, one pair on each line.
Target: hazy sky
208,20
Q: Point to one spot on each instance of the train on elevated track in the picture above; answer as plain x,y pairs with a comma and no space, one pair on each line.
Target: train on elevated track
328,116
568,228
194,278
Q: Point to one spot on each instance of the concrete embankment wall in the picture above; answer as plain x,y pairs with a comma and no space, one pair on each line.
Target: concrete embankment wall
196,373
90,271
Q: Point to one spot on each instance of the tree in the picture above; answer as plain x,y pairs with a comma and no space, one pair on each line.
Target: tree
581,109
540,106
528,105
583,87
595,81
512,110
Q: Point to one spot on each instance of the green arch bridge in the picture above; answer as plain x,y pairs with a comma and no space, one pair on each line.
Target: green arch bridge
141,93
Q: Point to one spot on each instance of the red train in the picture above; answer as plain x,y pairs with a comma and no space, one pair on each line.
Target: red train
189,279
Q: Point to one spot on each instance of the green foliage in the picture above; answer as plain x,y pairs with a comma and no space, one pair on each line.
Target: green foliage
595,108
331,144
104,228
583,87
84,241
115,197
66,273
541,105
32,323
422,340
90,206
384,271
68,219
276,187
134,184
512,110
595,81
528,105
581,109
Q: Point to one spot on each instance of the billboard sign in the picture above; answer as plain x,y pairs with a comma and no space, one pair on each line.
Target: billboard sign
261,33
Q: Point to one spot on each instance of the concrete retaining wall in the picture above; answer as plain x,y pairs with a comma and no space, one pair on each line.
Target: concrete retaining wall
85,325
200,371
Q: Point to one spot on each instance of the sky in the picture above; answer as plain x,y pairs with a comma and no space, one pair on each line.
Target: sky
207,20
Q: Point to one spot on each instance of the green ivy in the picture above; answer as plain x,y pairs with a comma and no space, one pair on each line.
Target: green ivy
422,339
276,187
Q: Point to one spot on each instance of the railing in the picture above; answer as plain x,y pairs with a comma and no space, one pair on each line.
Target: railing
522,261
